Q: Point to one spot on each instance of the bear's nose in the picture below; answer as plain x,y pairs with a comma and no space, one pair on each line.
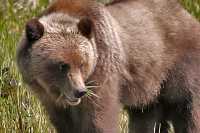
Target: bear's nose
79,93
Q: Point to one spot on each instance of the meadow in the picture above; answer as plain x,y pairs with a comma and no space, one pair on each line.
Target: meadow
20,111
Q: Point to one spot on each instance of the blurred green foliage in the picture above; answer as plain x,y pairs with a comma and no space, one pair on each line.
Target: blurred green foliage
193,6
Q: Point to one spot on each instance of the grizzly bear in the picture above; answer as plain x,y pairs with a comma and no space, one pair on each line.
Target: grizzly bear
86,61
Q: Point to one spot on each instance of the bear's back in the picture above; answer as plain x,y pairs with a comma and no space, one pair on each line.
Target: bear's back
156,34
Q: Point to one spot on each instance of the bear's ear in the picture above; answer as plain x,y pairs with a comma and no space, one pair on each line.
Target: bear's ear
85,26
34,30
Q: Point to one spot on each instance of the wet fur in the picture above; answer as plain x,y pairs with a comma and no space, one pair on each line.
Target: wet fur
148,62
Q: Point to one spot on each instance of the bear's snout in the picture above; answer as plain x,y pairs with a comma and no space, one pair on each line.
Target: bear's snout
78,93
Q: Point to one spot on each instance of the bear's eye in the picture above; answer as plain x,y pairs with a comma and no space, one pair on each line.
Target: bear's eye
63,67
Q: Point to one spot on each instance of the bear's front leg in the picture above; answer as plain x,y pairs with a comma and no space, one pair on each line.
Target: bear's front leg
146,120
106,115
72,119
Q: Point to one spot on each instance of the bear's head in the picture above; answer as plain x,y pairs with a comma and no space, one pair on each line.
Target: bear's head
59,54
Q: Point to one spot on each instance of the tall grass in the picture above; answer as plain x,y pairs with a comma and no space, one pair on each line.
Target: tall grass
20,111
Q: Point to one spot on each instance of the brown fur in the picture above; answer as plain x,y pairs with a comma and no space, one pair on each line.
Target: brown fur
145,58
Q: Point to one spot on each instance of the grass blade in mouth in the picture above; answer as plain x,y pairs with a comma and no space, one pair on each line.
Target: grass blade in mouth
90,82
89,87
90,93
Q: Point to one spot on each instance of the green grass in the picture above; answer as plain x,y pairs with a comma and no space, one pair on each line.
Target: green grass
193,6
20,111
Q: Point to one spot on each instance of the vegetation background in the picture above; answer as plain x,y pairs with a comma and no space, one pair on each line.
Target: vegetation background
20,111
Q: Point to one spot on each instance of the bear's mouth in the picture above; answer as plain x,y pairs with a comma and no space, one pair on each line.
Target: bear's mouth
67,100
72,101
